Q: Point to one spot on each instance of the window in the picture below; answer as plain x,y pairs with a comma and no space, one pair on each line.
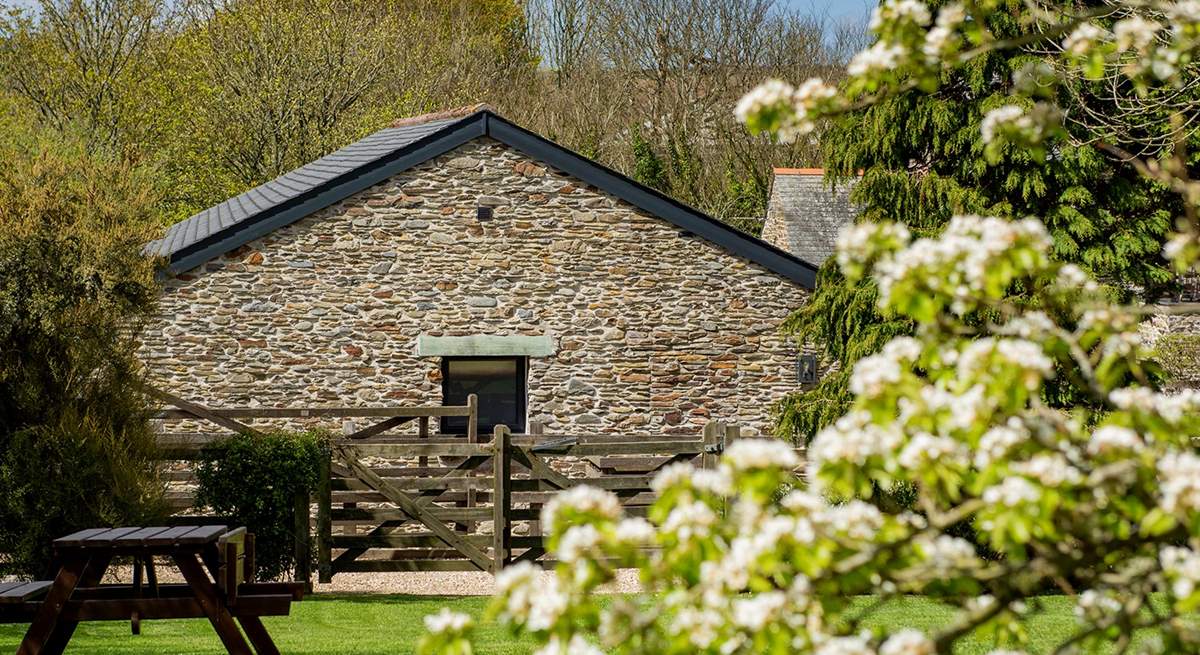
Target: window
806,369
499,382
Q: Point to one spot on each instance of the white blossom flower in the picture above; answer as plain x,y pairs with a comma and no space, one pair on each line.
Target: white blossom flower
577,542
700,625
1113,438
546,605
1182,566
1050,469
952,15
1185,11
1139,398
803,502
635,531
1179,476
517,584
792,107
877,58
960,260
943,557
853,438
577,645
856,645
747,454
994,119
689,519
925,448
812,93
908,642
938,41
718,481
859,243
1165,63
447,621
1135,32
673,475
1031,325
771,94
584,499
1072,277
1093,605
1020,354
754,612
1084,38
1174,248
873,375
1011,492
855,519
894,10
998,441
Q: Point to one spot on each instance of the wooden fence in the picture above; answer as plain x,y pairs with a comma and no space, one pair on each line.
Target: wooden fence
476,506
183,448
434,502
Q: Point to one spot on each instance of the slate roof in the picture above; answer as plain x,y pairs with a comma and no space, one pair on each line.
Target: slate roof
805,215
290,185
412,141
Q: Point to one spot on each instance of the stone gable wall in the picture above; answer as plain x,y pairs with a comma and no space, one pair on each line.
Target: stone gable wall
656,330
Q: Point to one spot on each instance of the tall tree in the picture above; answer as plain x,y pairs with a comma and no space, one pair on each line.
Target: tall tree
83,64
76,446
922,159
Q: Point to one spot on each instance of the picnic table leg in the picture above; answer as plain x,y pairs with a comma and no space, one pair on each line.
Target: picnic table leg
213,604
42,629
93,574
151,576
258,635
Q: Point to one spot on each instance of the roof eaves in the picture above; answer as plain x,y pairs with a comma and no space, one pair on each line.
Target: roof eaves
428,146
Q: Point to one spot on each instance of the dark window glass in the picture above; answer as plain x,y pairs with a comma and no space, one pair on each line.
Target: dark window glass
499,382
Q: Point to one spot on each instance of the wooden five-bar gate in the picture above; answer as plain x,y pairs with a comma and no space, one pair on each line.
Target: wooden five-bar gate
437,502
407,504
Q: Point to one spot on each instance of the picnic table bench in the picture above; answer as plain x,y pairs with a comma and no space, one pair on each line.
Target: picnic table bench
216,562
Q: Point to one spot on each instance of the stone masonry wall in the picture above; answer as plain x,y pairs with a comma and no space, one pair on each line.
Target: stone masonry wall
655,329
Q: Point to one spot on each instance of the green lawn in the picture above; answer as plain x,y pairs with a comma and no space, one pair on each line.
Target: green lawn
391,625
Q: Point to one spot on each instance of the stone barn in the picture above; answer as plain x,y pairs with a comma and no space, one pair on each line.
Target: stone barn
459,253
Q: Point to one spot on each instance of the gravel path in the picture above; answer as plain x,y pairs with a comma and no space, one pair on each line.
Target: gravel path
447,583
441,583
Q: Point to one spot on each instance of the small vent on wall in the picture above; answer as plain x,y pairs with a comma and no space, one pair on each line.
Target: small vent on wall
806,368
483,213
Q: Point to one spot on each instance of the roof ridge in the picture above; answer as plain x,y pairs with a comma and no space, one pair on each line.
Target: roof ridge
443,114
779,170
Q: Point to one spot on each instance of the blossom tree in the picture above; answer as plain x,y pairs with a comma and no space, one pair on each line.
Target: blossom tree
1011,495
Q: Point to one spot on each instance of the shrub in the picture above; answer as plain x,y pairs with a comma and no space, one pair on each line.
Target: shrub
76,449
254,480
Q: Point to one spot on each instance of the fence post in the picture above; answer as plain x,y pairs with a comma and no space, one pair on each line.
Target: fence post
473,419
423,433
501,497
708,460
324,522
472,437
303,552
731,433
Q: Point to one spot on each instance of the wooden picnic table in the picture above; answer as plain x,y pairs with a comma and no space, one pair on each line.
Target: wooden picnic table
216,562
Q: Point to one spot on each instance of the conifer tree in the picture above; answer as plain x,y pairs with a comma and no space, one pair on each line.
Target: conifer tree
921,159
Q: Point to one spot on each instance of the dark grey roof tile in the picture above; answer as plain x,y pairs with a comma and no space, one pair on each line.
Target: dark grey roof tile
270,195
805,215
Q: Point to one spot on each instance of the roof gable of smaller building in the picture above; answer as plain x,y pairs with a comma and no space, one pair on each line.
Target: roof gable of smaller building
410,142
805,214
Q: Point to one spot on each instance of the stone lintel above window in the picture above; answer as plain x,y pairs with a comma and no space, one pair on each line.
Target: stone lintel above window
486,345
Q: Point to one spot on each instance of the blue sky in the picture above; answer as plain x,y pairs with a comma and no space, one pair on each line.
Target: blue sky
834,8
